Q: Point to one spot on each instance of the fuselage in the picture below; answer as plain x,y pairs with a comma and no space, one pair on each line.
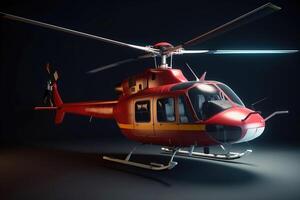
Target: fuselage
161,107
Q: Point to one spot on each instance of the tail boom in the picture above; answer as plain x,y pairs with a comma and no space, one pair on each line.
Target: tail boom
98,109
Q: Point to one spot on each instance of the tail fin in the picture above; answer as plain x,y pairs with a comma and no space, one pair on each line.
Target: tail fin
52,97
56,96
60,114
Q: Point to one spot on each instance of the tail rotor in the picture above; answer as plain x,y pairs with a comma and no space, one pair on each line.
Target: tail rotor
52,78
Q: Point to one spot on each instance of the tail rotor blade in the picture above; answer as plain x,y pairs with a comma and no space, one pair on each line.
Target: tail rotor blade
47,66
53,74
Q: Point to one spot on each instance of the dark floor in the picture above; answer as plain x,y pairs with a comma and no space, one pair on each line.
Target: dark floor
75,170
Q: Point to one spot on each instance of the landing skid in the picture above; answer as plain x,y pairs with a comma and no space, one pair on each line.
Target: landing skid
151,166
193,154
173,151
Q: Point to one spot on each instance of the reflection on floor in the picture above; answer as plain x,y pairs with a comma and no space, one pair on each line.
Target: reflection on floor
75,170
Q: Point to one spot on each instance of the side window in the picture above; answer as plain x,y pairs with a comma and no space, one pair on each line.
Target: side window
184,114
166,110
142,111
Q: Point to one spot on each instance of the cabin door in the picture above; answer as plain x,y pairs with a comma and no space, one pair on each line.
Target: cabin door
143,117
165,116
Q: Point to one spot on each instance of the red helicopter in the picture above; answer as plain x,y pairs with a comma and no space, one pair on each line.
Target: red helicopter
160,106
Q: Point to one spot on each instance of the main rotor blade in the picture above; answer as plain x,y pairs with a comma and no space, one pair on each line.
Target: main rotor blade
253,51
74,32
244,19
179,52
98,69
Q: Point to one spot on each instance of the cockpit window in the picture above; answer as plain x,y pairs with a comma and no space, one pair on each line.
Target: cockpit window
183,111
230,93
166,110
207,100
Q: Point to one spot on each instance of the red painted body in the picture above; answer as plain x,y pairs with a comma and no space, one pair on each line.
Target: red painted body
161,106
154,84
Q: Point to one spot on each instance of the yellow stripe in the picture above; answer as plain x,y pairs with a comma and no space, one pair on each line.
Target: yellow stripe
192,127
125,126
143,126
168,127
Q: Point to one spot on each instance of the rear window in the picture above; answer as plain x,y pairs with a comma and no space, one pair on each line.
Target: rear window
142,111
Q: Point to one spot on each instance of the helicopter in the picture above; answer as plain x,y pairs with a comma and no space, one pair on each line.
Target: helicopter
160,106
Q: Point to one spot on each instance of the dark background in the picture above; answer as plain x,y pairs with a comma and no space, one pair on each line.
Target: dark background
26,48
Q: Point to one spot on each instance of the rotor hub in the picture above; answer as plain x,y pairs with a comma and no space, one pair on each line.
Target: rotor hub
163,46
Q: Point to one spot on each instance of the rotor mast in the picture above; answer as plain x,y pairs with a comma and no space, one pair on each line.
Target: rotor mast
162,47
163,62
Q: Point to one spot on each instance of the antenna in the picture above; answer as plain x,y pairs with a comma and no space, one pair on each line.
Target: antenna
253,104
197,79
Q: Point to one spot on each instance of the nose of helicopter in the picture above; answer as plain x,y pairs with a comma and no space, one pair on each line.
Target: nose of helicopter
235,125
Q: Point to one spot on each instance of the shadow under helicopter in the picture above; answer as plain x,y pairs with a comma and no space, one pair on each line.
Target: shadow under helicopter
194,172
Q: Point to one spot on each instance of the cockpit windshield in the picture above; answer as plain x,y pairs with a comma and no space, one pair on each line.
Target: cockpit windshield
230,93
208,100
